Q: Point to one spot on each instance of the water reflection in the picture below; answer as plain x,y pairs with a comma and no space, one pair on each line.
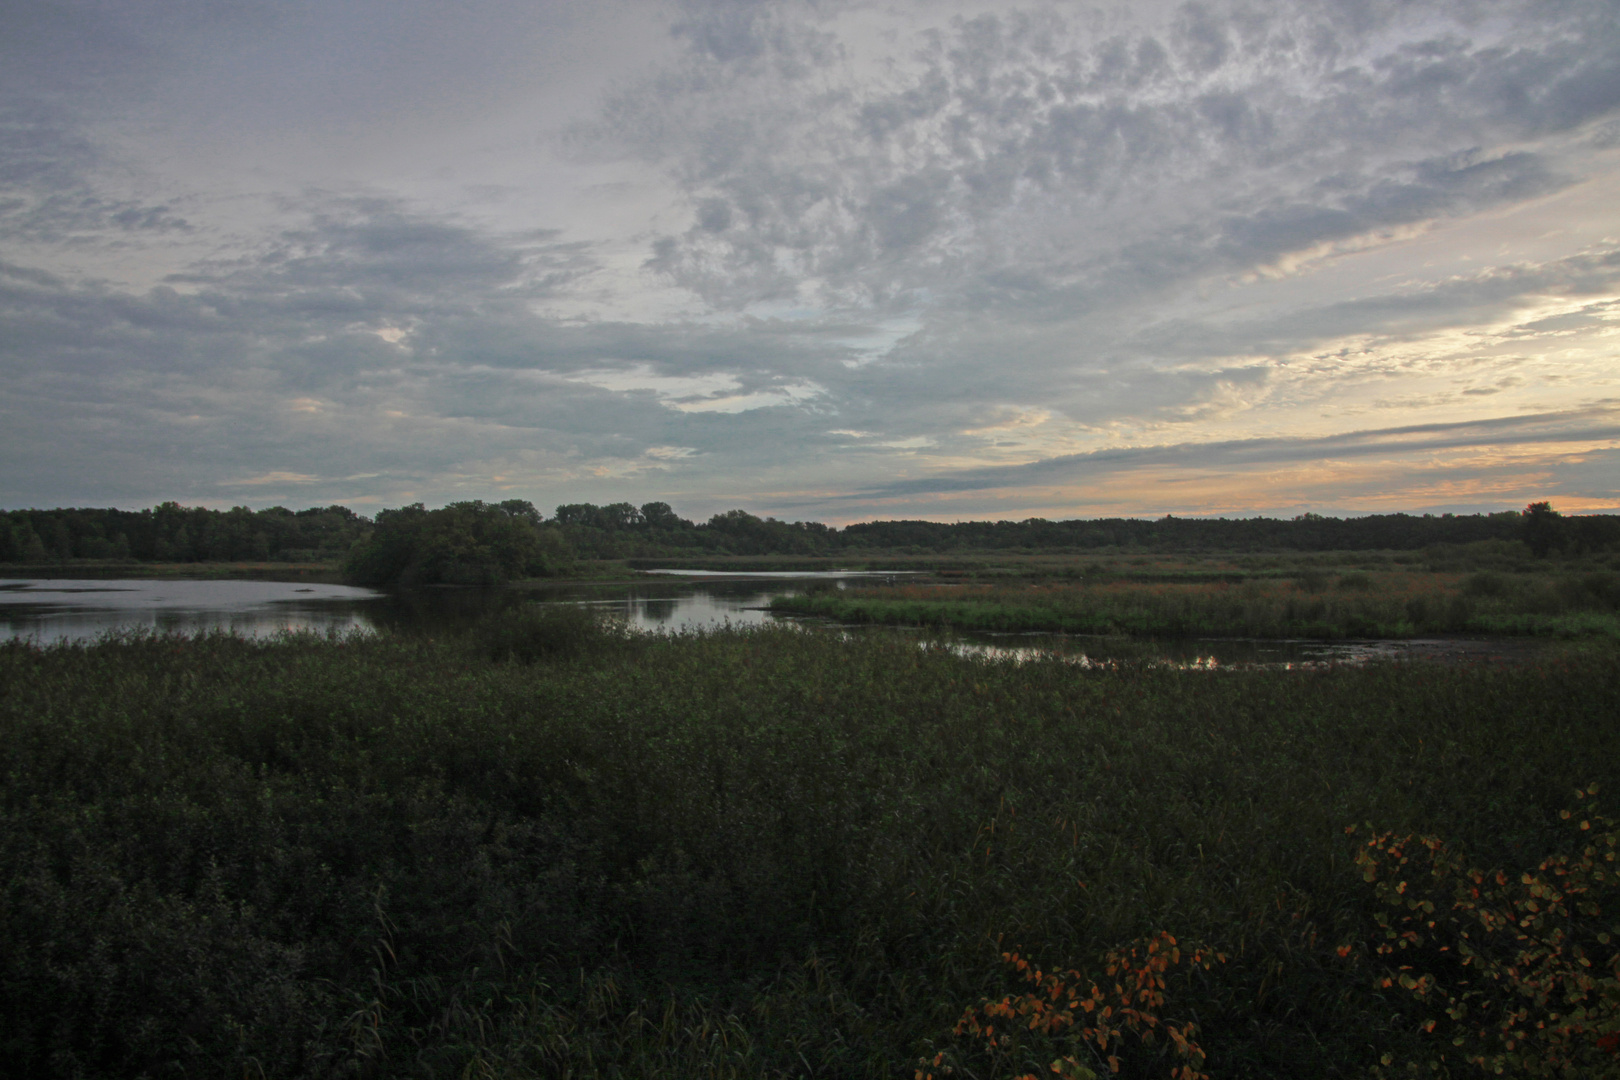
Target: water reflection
698,599
1215,654
701,609
791,575
54,610
1224,654
659,611
49,610
677,607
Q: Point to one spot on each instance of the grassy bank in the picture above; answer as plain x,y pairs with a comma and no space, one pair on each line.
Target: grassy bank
541,850
1310,604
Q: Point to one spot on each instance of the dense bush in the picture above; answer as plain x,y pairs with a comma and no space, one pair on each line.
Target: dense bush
766,854
467,543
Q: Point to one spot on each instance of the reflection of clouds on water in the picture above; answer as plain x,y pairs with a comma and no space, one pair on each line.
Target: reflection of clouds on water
61,626
56,610
699,609
700,599
1023,654
840,576
1212,655
66,609
49,610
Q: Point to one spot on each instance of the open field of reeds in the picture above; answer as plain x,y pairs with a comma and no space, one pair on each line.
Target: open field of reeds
1312,603
547,849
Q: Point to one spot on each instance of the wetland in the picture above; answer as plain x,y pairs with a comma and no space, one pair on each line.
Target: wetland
689,825
49,610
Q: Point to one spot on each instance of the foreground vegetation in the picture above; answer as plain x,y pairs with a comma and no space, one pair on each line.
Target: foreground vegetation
544,848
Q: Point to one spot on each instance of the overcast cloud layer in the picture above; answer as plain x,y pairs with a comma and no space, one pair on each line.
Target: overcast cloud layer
819,260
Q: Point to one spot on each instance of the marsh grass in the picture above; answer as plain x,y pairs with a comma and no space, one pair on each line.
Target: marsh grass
526,633
735,854
1313,603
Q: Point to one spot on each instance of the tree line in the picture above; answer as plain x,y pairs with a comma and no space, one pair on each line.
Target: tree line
1538,525
175,533
477,541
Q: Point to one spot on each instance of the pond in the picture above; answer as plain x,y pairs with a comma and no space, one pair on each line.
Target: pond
50,610
55,609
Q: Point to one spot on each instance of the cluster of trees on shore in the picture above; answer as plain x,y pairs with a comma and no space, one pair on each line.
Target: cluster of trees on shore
481,542
466,543
175,533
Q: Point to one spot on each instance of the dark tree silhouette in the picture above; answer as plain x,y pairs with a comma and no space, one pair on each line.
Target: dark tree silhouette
1543,528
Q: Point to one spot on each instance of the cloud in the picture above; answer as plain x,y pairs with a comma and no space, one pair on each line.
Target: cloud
783,395
372,341
713,392
1026,157
278,478
1598,424
1480,297
47,192
973,249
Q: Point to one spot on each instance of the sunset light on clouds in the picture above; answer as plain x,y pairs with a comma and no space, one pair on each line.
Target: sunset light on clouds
818,260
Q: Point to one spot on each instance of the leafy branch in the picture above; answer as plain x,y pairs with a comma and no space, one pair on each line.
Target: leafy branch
1515,972
1068,1011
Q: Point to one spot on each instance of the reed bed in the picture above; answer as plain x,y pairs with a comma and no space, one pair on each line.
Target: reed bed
763,854
1312,604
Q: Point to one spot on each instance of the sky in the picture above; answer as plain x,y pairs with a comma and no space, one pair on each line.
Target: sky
816,260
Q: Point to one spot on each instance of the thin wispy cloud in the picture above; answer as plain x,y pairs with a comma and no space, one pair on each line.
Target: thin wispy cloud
1583,428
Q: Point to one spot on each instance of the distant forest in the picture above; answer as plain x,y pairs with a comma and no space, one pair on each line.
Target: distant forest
521,539
175,533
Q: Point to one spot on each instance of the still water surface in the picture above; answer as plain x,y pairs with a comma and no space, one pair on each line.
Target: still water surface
56,609
50,610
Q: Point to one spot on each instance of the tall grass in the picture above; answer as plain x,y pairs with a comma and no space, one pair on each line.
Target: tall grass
1312,604
736,854
531,632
